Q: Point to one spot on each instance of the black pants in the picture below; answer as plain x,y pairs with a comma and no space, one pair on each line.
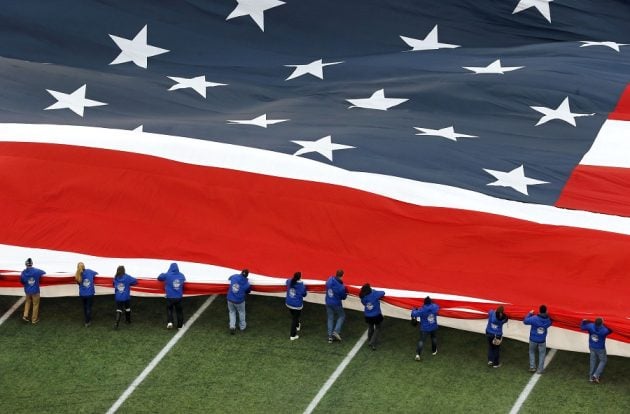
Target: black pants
423,337
374,328
493,350
177,304
295,320
123,306
87,308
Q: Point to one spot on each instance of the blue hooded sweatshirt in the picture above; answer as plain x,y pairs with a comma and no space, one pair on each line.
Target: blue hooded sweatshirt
122,287
173,282
239,287
86,287
296,294
30,279
540,323
597,336
372,303
335,291
495,325
428,317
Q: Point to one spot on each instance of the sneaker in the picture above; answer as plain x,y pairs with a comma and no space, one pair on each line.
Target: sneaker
540,372
299,327
169,325
336,336
417,357
87,324
232,331
489,363
330,339
35,321
25,319
434,352
496,366
373,347
293,338
595,380
532,369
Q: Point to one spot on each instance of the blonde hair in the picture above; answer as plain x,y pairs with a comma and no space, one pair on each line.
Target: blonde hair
78,276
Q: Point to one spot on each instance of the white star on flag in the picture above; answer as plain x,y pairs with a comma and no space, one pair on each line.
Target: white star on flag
448,132
494,67
315,68
376,101
562,112
612,45
136,50
255,9
75,101
515,179
428,43
260,121
323,146
541,5
198,84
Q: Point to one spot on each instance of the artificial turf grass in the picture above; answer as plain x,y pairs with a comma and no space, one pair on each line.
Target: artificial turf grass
60,366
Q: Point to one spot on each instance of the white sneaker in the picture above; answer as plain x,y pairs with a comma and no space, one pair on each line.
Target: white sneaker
169,325
417,357
336,336
293,338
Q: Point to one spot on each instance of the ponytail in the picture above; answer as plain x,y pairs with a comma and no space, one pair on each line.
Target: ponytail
296,277
78,276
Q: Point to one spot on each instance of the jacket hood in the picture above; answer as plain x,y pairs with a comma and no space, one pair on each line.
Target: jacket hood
173,268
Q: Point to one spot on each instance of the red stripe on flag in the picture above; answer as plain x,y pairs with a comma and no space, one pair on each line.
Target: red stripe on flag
595,188
622,111
117,204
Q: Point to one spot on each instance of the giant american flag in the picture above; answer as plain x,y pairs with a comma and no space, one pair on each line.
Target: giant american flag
476,151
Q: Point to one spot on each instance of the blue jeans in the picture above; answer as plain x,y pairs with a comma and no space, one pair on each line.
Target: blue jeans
232,309
597,369
333,311
542,351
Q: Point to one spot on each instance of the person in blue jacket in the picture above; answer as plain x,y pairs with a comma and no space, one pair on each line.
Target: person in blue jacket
122,294
428,325
237,291
296,292
597,333
174,287
336,292
85,280
371,300
494,334
30,280
538,337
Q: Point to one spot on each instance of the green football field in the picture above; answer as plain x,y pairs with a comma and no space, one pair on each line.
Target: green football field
59,366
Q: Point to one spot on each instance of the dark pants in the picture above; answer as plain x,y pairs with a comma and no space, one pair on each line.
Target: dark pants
87,308
123,306
295,320
177,304
374,328
423,337
493,350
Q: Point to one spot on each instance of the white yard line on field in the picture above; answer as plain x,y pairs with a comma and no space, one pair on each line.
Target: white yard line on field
8,313
336,374
159,356
530,385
